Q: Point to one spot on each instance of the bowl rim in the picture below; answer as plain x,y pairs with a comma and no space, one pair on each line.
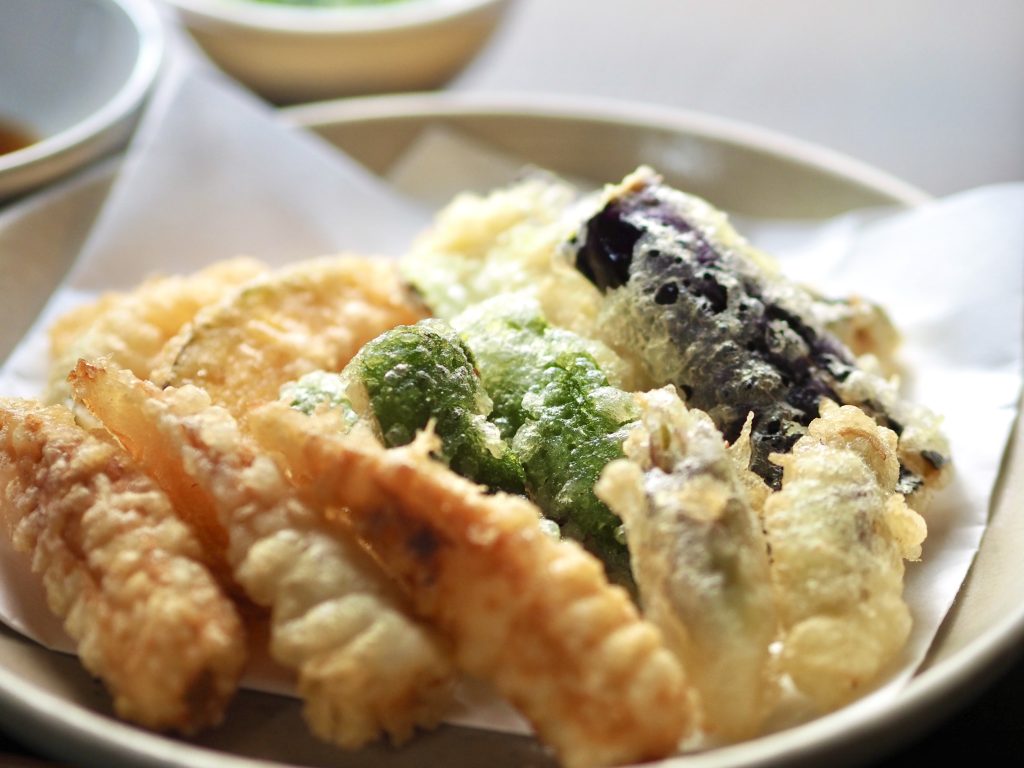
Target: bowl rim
150,36
326,21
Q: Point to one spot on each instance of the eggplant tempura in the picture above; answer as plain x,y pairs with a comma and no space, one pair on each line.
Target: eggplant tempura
698,307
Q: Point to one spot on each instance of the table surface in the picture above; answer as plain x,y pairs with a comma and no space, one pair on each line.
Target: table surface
931,91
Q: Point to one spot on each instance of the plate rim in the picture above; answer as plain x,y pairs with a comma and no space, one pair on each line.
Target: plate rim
977,657
623,113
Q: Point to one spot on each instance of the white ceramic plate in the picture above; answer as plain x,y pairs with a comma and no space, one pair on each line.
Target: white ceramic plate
74,74
52,704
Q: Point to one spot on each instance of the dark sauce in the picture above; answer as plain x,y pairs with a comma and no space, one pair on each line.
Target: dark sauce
14,137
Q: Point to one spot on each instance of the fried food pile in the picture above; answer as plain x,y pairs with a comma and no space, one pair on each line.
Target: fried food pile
595,451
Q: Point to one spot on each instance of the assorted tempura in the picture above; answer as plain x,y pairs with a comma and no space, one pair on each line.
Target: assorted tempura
596,451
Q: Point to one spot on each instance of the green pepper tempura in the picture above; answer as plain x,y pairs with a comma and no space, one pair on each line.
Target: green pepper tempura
564,421
409,377
539,418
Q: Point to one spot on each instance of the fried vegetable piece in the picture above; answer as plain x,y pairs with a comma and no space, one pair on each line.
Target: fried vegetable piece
324,391
413,375
121,416
531,614
120,569
130,329
565,422
312,315
863,327
839,534
480,246
698,307
506,244
364,668
699,557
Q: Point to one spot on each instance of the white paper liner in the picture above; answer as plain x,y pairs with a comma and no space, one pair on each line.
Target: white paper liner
214,173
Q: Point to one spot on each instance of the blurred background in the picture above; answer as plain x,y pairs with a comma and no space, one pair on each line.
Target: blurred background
930,90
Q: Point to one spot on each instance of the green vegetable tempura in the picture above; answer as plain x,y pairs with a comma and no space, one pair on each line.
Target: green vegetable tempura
540,418
411,376
320,388
565,422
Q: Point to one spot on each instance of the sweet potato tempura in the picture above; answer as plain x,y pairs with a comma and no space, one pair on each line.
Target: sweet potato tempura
131,328
364,667
120,569
533,615
311,315
839,535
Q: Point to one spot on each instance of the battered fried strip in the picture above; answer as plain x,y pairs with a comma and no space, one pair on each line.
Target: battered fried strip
120,569
533,615
130,329
839,535
364,667
699,558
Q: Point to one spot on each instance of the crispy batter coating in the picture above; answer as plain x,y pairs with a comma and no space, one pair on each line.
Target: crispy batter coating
923,449
562,416
863,327
691,302
132,328
699,557
417,374
839,535
364,667
505,244
117,412
120,569
533,615
309,316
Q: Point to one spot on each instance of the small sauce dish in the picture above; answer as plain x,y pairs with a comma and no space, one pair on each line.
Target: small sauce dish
73,77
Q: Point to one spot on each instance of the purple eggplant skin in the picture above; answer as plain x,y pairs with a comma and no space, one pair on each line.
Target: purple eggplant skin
739,338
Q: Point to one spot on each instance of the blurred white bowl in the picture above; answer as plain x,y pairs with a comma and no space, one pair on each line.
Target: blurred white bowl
73,74
292,53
